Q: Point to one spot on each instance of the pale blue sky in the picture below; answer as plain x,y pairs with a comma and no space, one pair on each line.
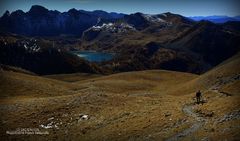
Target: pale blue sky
183,7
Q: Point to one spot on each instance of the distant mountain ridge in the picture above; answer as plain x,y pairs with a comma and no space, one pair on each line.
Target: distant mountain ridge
39,21
216,19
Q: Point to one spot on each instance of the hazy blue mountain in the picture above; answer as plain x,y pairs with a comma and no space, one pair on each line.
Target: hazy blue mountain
215,19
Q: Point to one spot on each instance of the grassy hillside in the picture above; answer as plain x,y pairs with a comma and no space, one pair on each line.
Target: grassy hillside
223,74
144,105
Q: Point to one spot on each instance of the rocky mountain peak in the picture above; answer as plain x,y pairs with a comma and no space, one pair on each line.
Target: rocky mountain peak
37,9
6,14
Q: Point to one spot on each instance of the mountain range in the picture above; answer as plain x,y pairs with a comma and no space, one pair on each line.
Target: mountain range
140,41
39,21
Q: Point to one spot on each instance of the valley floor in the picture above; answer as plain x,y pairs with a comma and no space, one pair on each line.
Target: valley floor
144,105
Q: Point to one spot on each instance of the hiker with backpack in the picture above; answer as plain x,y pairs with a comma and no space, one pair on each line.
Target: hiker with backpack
198,96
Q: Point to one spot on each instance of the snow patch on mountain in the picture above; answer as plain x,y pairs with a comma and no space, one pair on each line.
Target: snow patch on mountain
109,25
30,45
153,18
113,27
165,15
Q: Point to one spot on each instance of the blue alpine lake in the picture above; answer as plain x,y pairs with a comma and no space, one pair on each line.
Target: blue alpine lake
93,56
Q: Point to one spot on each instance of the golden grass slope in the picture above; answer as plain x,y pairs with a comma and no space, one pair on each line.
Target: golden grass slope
144,105
20,84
